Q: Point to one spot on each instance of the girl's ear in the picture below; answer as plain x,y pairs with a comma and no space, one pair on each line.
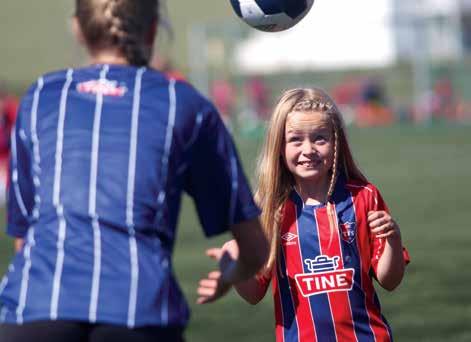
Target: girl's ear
77,31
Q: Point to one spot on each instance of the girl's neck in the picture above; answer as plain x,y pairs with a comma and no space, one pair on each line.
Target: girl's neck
313,192
108,57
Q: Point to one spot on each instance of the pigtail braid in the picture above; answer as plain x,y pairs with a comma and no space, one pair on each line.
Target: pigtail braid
120,25
125,32
333,180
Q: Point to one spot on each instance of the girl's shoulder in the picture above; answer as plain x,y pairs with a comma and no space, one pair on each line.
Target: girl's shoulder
361,186
367,192
46,78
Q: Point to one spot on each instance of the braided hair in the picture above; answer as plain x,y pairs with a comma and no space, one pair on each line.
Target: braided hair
118,24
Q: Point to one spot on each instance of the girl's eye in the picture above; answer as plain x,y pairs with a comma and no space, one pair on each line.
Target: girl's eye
294,139
320,138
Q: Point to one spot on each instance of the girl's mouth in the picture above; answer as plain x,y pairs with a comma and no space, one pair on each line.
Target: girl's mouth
309,163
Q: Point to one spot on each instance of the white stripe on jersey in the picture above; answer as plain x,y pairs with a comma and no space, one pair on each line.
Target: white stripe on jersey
198,121
4,282
95,145
3,314
35,142
37,200
234,187
196,130
60,138
133,148
130,199
14,175
92,313
25,276
166,294
59,264
168,144
56,198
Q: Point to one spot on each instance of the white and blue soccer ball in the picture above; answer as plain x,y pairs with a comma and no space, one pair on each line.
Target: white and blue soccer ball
272,15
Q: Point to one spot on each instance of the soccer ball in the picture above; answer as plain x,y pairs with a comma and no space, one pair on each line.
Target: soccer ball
272,15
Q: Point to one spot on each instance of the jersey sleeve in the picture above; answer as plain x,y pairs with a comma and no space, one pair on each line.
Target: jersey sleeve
215,178
20,180
264,279
377,246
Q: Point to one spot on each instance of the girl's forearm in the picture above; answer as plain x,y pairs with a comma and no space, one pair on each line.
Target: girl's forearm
253,249
251,290
391,265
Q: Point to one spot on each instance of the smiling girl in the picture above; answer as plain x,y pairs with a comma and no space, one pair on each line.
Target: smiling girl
331,233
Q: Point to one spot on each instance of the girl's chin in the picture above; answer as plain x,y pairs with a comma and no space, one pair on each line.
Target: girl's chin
311,176
311,172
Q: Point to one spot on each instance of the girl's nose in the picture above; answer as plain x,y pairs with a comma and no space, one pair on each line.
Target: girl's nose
308,147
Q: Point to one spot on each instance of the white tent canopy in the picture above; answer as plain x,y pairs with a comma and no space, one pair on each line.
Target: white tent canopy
335,34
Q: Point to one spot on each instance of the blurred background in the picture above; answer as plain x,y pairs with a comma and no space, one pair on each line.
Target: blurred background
400,72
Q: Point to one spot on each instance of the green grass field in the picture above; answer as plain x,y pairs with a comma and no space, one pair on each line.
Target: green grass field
424,175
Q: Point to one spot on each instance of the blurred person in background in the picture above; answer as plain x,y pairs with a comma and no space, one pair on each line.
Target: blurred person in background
223,94
444,100
347,96
373,109
255,108
100,158
330,230
8,110
258,96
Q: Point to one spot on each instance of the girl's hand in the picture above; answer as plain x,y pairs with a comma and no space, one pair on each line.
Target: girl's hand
211,288
218,283
382,224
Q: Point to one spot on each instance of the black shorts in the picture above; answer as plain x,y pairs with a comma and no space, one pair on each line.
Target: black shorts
71,331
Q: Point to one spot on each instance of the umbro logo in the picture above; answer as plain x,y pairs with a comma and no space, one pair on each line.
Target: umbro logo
289,238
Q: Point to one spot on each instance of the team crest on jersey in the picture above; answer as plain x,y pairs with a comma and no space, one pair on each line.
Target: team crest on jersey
325,276
289,238
348,231
104,87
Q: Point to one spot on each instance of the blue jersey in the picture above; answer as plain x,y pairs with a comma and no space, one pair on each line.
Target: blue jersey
100,158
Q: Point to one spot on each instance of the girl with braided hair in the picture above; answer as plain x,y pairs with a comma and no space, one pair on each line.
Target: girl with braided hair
100,158
329,229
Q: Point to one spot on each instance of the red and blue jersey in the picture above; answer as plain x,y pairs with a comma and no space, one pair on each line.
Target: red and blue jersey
322,286
100,157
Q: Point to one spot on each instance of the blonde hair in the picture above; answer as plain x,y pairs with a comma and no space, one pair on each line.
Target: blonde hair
275,181
118,24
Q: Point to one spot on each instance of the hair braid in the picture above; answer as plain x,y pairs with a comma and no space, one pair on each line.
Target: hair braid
120,25
333,180
125,33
